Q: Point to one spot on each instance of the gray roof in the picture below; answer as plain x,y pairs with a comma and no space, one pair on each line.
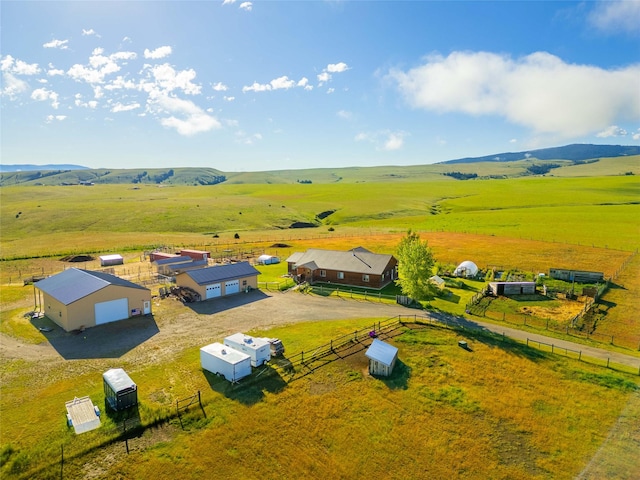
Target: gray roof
219,273
357,260
382,352
167,261
74,284
118,379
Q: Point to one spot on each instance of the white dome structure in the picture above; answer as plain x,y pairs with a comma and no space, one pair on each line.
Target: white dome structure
466,269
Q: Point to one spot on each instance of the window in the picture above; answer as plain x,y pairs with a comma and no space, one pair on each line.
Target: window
244,283
340,275
323,273
365,278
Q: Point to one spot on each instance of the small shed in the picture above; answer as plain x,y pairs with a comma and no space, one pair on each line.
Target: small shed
119,390
108,260
82,415
259,349
226,361
268,260
512,288
195,254
382,358
437,281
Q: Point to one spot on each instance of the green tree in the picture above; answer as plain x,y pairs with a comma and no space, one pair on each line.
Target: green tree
415,267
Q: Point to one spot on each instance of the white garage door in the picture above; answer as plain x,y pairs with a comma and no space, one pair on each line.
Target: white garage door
213,290
231,287
112,311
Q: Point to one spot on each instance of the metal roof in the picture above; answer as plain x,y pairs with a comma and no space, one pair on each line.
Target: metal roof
74,284
219,273
118,379
228,354
167,261
358,260
254,343
382,352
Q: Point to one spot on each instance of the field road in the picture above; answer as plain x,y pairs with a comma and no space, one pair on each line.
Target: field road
176,327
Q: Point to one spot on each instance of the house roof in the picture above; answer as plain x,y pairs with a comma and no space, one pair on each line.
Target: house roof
382,352
74,284
219,273
358,260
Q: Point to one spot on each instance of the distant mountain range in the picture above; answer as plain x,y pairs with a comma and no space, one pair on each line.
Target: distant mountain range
576,152
512,164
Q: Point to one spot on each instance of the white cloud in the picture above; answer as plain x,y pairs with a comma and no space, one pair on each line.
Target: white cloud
61,44
636,136
42,95
330,90
12,86
246,6
91,31
383,140
159,52
119,107
228,2
167,79
257,87
18,67
51,118
337,67
616,16
100,66
229,99
79,103
183,115
219,87
612,131
282,83
52,72
344,114
304,83
538,91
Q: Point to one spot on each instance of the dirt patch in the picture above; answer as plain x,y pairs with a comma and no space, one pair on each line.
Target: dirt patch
566,311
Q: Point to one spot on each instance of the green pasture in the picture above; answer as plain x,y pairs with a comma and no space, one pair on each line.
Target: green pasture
37,221
445,411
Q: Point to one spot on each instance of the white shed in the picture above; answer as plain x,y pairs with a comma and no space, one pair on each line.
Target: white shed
466,269
108,260
437,281
268,260
220,359
382,358
259,349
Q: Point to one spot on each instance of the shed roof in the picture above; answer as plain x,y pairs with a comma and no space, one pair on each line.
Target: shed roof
382,352
118,379
228,354
357,260
74,284
170,260
219,273
115,256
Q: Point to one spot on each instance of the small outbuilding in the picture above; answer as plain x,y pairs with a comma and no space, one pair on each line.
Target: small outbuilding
109,260
382,358
512,288
437,281
267,260
196,254
120,391
466,269
220,280
226,361
259,349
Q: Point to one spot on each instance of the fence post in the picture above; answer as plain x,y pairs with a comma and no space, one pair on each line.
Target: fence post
608,358
527,339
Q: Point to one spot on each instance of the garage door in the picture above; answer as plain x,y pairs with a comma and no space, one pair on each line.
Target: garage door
231,287
112,311
213,291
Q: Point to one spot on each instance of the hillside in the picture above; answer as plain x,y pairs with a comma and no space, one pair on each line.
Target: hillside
568,161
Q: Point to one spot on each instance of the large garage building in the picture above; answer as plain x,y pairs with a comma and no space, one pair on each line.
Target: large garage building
220,280
78,298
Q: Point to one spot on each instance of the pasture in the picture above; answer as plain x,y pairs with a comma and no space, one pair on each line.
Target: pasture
500,411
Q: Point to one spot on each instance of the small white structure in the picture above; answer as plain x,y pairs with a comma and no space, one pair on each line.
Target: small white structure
220,359
268,260
382,358
259,349
108,260
82,414
437,281
120,391
466,269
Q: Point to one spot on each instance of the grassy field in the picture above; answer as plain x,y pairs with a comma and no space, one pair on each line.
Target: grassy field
500,411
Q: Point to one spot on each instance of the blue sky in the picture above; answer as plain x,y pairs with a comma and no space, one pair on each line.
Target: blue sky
267,85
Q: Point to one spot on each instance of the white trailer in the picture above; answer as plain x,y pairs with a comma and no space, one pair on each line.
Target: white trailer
258,349
231,364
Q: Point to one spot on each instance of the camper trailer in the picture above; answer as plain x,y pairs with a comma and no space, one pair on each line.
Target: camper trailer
258,349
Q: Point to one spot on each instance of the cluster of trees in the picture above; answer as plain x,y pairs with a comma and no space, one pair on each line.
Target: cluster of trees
461,176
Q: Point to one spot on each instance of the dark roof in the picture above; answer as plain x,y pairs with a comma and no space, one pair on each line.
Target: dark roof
74,284
357,260
219,273
167,261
